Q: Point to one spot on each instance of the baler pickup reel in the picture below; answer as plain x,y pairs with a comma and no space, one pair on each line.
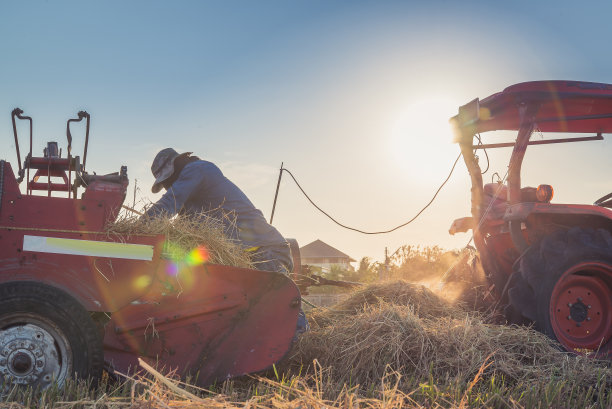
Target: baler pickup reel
53,166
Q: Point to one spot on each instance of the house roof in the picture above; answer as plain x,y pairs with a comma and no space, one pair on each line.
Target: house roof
320,249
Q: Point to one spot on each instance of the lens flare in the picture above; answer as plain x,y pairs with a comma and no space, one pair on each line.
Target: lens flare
142,282
181,266
172,269
197,256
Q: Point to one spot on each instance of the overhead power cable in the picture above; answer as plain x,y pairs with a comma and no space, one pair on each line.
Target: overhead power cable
372,232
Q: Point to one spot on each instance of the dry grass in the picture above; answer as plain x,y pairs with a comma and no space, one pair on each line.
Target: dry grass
408,329
424,302
394,345
185,233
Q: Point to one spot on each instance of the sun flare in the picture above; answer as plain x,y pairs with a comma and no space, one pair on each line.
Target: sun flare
421,132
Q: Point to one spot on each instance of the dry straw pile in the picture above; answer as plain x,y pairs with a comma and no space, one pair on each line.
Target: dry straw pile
185,233
407,328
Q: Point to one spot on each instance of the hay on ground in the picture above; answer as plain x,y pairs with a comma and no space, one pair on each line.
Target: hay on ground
185,233
424,302
413,332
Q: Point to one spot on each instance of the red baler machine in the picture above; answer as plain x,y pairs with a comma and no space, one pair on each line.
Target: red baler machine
75,298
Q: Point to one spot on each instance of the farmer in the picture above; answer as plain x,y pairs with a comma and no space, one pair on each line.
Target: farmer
194,186
197,187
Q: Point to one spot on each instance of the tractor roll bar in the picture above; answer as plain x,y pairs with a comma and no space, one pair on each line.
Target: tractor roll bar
551,106
527,113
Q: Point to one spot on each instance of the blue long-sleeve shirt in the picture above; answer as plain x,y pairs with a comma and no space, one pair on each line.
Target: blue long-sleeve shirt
202,188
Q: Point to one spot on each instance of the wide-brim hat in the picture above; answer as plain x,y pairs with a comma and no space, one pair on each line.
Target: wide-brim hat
163,166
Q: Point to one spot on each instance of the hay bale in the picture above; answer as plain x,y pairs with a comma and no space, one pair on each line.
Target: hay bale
183,234
362,346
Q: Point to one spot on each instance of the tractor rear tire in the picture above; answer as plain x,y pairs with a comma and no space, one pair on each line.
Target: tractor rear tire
522,307
565,287
46,336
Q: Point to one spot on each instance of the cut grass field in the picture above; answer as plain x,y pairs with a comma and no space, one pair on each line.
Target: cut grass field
388,345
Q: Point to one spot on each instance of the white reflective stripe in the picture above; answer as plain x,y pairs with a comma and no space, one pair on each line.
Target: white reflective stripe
87,248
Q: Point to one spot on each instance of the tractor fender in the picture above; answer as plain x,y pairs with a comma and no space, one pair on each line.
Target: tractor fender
521,211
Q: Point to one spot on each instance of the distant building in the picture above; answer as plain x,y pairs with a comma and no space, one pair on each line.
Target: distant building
323,255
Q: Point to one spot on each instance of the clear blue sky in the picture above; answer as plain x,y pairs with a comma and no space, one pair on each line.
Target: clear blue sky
353,96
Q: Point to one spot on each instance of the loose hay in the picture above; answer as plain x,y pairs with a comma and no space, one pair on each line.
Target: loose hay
401,327
185,233
424,302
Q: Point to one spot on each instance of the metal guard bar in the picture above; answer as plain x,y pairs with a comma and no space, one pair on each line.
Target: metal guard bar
598,137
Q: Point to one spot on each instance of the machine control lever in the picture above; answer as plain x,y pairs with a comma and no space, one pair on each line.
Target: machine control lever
80,116
18,112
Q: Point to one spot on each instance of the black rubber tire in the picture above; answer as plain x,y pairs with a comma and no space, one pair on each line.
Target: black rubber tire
543,264
521,309
25,302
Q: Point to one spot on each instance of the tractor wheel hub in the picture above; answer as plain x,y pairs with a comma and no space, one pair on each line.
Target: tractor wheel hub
579,308
21,362
579,311
28,355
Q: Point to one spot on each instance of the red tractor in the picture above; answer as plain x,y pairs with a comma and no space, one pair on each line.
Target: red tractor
75,299
550,264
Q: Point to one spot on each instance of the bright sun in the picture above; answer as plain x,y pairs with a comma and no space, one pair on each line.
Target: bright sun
421,136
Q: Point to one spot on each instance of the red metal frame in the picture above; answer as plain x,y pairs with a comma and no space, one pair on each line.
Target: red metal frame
49,167
228,322
548,106
209,320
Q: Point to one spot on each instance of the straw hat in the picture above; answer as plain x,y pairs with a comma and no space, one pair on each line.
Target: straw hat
163,166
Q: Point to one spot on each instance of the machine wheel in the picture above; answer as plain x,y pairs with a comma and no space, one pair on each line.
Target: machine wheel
522,307
46,336
566,289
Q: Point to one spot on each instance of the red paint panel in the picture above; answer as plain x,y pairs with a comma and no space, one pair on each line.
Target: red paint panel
100,204
99,283
218,322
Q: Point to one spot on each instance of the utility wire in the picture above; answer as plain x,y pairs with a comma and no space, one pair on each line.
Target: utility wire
375,232
485,152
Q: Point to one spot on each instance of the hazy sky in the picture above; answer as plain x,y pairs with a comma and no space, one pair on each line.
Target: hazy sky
353,96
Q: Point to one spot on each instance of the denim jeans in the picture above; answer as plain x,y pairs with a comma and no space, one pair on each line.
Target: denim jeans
273,258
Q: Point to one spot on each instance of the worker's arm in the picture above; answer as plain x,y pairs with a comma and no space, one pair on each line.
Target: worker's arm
174,199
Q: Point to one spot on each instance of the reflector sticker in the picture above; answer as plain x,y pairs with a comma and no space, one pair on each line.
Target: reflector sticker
87,248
